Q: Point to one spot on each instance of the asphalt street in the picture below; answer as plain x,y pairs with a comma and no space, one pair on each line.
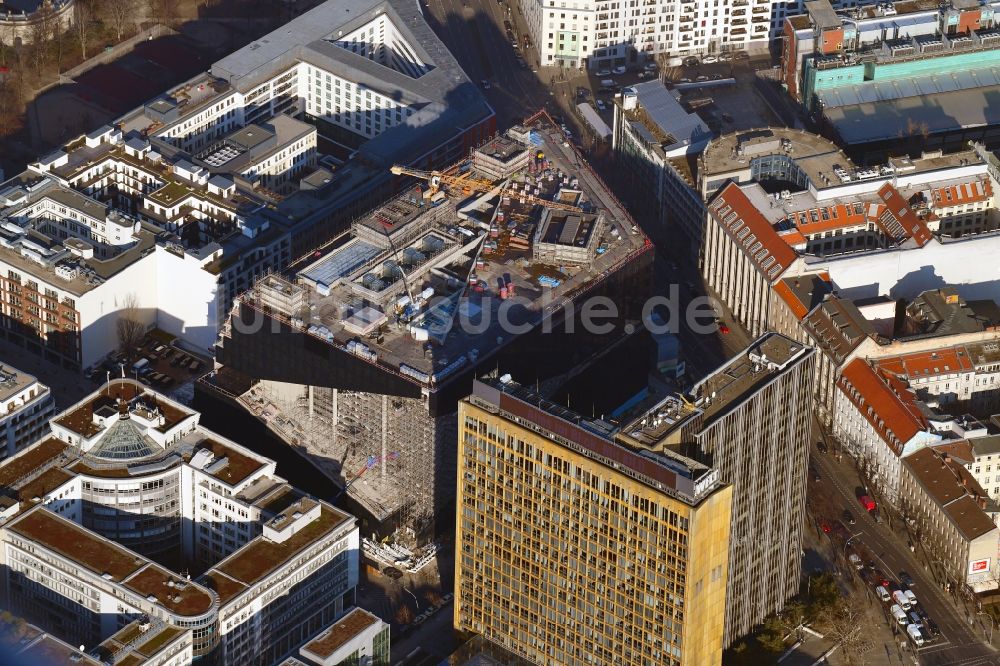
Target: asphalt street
962,642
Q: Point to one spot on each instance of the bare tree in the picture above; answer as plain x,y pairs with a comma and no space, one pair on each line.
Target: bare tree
120,12
81,21
129,325
167,11
404,615
847,627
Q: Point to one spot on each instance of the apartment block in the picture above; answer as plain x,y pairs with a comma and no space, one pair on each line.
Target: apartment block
130,489
27,405
598,34
576,546
957,521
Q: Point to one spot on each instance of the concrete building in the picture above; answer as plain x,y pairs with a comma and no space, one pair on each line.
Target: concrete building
805,209
366,355
601,35
759,401
27,644
357,638
27,405
660,141
869,74
547,583
956,521
129,475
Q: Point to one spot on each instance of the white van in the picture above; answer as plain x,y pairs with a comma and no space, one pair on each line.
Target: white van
900,598
899,614
882,593
913,631
912,598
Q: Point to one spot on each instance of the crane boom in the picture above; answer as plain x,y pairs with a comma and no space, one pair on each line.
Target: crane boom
438,178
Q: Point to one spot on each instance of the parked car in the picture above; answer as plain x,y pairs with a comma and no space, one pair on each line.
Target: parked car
825,526
912,598
691,61
901,600
899,614
702,78
883,594
650,67
847,517
603,72
620,69
709,59
913,631
485,83
601,106
855,560
906,579
814,474
867,502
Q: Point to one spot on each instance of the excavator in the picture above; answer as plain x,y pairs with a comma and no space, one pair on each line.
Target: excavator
468,185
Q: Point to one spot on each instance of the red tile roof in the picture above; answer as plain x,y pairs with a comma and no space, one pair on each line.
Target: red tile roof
898,221
750,230
790,299
962,193
885,401
928,363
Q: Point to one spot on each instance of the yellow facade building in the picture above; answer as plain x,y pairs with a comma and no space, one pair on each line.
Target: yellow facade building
574,548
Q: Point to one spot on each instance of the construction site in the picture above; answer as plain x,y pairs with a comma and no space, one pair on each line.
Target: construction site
363,354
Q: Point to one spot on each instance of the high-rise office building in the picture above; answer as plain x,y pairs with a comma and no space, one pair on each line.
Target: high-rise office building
574,548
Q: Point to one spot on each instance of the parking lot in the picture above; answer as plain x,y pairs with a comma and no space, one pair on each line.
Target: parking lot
157,363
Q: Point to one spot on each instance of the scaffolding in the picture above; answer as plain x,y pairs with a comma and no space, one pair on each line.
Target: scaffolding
340,430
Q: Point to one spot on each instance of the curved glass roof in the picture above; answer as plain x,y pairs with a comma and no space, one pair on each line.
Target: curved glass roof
124,441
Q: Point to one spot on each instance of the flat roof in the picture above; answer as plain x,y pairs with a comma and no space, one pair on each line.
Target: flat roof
437,246
92,552
173,592
758,365
262,556
816,156
239,465
80,417
938,112
13,381
822,14
48,649
30,459
342,631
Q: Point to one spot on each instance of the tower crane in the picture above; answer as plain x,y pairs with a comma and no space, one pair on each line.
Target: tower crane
468,184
